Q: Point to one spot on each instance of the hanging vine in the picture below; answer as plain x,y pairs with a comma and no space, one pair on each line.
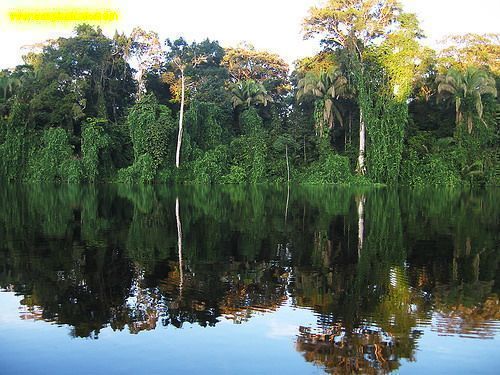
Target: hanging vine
384,114
93,141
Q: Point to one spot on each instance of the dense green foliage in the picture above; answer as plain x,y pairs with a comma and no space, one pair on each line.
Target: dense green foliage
53,161
74,112
151,128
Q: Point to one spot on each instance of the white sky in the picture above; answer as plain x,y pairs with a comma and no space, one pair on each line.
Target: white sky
274,25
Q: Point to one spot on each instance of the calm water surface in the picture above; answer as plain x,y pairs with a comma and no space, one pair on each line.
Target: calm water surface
157,280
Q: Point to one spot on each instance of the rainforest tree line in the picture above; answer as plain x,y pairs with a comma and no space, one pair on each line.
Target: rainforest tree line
374,106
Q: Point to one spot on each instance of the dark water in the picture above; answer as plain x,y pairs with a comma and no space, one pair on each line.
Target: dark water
154,280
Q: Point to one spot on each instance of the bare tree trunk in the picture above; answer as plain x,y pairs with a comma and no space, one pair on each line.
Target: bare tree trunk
361,167
141,86
179,244
181,118
361,224
288,183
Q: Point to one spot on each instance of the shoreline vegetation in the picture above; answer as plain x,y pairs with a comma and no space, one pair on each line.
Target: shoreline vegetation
373,107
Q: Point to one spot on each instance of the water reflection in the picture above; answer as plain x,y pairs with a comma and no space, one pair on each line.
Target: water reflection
375,266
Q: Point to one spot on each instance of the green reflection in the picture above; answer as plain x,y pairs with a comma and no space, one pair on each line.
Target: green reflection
374,265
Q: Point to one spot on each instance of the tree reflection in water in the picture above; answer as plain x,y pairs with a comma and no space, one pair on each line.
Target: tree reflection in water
375,266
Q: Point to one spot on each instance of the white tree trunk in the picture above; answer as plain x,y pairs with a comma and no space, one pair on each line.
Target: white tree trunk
361,168
179,244
288,182
361,224
181,118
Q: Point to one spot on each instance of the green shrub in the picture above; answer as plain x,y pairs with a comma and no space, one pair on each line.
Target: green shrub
16,143
432,170
211,167
142,171
237,175
249,151
13,154
71,171
332,169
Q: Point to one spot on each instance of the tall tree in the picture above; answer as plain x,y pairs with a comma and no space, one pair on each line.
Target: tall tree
245,62
145,53
208,79
181,67
79,77
353,25
394,67
181,57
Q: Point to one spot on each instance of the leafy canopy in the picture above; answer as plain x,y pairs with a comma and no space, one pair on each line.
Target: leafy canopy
351,24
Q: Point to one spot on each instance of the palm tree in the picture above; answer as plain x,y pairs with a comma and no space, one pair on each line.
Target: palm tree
249,92
325,87
7,84
466,90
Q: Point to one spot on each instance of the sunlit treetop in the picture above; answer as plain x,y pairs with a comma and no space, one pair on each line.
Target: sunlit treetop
403,56
244,62
322,61
480,50
351,24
